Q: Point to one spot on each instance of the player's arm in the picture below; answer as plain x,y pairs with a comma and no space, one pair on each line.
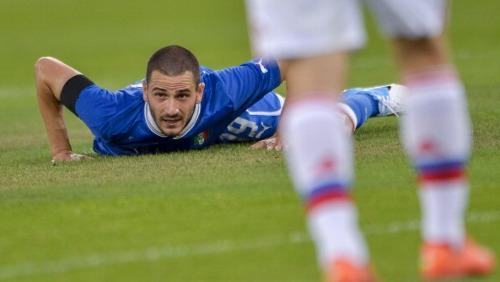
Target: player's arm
51,76
245,84
283,66
273,142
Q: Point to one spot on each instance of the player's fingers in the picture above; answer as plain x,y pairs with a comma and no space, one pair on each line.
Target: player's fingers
278,147
69,157
79,157
267,144
63,156
273,143
258,145
270,143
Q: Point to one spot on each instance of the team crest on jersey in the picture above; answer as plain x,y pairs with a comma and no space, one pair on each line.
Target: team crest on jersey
201,138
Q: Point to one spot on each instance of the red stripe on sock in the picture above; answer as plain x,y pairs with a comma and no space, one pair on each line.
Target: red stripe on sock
329,197
442,175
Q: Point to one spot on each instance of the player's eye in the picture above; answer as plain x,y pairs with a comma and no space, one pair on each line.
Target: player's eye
160,94
183,95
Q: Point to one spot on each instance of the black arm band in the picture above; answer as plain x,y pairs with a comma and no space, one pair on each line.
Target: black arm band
71,90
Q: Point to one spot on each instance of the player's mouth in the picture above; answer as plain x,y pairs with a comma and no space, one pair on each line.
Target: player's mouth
171,122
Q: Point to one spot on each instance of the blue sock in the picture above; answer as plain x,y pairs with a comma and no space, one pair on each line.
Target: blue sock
362,104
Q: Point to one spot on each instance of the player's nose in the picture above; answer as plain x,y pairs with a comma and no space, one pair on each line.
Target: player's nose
170,107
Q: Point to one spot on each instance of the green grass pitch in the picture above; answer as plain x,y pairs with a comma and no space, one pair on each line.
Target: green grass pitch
223,214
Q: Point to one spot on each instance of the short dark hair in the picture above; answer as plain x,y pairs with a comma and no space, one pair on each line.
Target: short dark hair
173,60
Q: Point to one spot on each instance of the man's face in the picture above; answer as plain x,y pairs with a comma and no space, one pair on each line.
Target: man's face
172,100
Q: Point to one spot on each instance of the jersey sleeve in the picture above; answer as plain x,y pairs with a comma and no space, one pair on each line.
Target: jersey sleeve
260,121
246,84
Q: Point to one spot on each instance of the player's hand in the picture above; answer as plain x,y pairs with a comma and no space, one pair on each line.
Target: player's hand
68,156
271,143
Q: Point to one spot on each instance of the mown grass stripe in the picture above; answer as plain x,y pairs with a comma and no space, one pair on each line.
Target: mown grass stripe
212,248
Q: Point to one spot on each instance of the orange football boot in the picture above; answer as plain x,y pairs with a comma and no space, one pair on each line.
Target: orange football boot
441,261
345,271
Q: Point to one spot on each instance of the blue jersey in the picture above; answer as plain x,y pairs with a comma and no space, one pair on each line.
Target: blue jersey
237,105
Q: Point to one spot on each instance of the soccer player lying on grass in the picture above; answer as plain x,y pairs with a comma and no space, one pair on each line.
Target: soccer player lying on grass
180,105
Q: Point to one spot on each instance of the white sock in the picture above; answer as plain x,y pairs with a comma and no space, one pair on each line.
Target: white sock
437,136
443,211
319,155
334,229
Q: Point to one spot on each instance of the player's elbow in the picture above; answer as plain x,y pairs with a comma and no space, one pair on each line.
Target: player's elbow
43,66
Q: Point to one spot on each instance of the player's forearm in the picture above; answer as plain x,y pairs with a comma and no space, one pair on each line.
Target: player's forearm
52,115
58,140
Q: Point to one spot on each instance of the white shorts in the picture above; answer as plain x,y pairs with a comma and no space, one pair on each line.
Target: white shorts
301,28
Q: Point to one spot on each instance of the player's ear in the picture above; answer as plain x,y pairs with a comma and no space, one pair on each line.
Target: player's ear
145,90
199,93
